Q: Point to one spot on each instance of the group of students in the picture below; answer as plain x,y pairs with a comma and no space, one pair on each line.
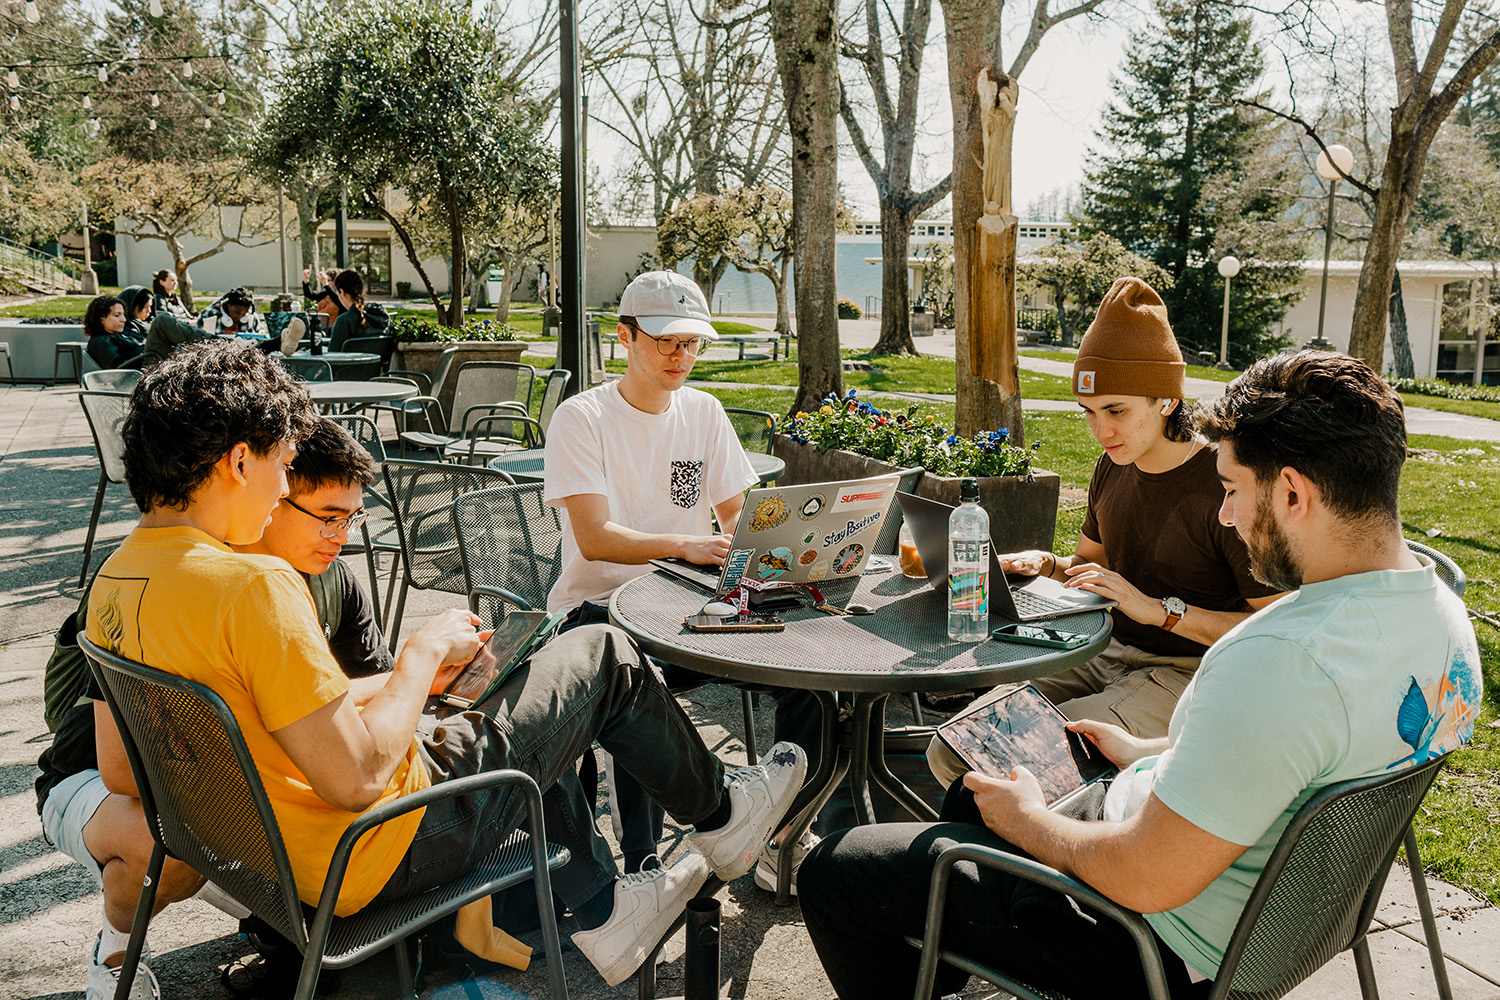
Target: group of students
1271,624
141,326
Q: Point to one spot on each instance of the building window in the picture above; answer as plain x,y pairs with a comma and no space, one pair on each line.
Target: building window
369,255
1467,334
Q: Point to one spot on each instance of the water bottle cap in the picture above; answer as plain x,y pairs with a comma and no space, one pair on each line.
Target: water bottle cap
969,490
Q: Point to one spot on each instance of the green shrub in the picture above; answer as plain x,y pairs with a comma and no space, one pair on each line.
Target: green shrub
411,330
848,310
1447,390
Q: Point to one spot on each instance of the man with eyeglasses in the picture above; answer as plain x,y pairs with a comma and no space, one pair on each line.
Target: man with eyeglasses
638,468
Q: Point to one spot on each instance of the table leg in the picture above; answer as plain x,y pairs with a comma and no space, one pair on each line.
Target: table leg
833,764
881,772
859,764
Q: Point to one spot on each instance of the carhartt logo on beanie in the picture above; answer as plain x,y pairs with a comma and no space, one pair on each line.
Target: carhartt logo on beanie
1129,349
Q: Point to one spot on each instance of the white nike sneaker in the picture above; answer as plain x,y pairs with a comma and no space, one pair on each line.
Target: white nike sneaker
758,797
765,872
292,336
646,903
103,980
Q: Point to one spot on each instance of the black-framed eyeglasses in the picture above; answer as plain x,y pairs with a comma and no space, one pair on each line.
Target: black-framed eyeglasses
332,526
670,345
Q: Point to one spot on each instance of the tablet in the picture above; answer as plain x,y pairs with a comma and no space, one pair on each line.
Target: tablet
516,637
1021,728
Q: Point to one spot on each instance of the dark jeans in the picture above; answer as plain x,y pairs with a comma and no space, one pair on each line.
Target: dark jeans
863,889
592,684
799,720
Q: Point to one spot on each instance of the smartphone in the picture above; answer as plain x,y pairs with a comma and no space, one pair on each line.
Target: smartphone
734,623
1040,635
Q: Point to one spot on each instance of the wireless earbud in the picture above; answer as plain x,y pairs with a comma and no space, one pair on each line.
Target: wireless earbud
1166,408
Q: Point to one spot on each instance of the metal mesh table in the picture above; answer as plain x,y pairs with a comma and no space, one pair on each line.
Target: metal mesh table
851,664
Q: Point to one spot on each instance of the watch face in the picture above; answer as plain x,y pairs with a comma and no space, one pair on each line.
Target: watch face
1174,605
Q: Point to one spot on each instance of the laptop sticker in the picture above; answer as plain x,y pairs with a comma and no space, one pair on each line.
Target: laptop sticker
774,563
819,570
812,506
848,558
809,536
769,513
738,562
808,557
861,498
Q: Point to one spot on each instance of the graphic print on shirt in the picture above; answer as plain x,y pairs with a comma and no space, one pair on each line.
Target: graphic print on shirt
687,482
1439,719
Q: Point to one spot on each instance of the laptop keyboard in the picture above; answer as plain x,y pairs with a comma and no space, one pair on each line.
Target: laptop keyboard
1028,603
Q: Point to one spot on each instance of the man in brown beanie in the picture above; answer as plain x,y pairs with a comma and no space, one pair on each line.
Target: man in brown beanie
1151,538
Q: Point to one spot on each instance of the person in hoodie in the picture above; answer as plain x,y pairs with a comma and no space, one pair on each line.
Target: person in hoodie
140,306
359,318
164,290
233,313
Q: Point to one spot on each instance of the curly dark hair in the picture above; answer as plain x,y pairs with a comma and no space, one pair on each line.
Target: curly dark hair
93,316
330,455
191,409
1327,415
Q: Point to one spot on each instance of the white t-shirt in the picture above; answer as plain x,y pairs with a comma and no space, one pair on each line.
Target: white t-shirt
663,473
1340,679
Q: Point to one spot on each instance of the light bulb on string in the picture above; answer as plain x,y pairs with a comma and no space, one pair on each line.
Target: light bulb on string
219,100
88,102
208,123
12,78
156,8
151,124
273,65
15,103
33,15
187,69
155,101
93,127
103,73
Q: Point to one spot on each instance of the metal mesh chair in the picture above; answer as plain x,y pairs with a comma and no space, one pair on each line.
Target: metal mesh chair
421,495
308,369
481,387
383,346
205,805
378,523
106,414
554,386
111,380
756,429
359,371
1448,571
1315,898
510,544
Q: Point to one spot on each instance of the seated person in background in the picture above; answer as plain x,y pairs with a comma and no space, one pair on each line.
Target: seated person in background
140,305
1151,538
106,832
233,313
167,333
104,324
209,438
1367,666
164,290
359,319
638,468
325,300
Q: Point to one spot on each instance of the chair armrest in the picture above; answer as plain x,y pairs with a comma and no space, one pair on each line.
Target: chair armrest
489,409
532,429
486,590
422,382
1051,878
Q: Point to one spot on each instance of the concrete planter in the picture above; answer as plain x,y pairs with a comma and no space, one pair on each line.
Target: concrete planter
1022,515
33,347
423,357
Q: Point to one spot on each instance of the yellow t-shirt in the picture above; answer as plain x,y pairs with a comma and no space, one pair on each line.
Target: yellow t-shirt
244,625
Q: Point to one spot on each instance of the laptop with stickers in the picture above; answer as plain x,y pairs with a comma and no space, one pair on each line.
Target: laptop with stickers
811,533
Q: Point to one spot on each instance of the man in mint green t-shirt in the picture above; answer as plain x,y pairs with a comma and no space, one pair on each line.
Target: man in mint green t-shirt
1368,666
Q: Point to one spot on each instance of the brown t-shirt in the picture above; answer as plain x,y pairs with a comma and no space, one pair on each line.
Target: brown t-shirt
1161,532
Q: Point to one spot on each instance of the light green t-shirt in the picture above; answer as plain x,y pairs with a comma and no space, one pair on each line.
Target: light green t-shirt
1341,679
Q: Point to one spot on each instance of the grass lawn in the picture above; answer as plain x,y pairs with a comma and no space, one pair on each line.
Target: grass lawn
1468,407
59,305
1193,371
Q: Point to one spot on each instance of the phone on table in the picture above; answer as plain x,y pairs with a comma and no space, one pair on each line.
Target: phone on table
734,623
1041,635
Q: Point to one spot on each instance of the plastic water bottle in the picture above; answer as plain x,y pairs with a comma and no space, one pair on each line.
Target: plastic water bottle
968,568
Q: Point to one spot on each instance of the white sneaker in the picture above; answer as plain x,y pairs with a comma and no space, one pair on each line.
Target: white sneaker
646,903
766,871
103,980
758,797
292,336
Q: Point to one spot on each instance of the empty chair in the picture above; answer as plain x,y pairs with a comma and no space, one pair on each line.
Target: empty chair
421,495
111,379
479,389
756,429
555,384
1448,571
358,371
205,805
427,390
308,369
106,415
510,544
383,346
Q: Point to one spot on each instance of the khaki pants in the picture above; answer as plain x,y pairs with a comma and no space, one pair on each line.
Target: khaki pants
1123,685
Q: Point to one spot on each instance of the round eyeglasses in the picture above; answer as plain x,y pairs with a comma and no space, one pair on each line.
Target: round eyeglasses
332,526
670,345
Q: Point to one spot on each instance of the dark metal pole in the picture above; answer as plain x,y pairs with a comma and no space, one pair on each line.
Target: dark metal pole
341,234
1327,249
570,281
700,973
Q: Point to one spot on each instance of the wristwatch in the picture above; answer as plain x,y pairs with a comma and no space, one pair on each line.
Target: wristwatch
1175,607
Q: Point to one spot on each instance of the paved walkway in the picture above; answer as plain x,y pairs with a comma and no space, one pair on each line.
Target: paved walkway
49,910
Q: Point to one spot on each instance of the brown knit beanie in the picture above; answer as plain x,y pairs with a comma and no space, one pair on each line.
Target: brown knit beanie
1129,349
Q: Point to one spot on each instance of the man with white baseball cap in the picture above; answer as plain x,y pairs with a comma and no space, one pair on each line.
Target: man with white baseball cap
637,467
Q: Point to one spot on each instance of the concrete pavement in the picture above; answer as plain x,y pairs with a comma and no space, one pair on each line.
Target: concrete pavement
49,910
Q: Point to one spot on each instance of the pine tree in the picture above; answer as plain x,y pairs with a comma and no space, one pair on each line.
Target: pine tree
1187,176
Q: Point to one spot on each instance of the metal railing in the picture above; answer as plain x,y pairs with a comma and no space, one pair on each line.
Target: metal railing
34,267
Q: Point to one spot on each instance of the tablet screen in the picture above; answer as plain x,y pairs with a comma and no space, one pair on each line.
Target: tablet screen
1023,729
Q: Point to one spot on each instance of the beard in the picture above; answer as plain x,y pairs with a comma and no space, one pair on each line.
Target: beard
1272,561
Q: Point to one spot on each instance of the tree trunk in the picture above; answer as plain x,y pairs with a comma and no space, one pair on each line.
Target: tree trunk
783,310
184,276
805,35
895,282
1400,342
512,264
304,199
458,262
1383,250
707,278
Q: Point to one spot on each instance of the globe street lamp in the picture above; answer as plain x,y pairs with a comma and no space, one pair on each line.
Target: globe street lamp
1334,162
1228,268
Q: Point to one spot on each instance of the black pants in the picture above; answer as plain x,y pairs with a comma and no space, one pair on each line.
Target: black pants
799,720
863,889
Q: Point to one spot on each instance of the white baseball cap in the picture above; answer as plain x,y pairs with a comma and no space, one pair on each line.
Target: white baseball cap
665,302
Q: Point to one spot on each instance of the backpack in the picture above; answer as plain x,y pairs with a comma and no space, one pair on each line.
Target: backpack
377,320
67,670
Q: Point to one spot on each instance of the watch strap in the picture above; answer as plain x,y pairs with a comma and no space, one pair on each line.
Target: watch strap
1173,617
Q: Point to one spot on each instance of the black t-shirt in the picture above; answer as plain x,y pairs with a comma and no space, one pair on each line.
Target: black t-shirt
356,644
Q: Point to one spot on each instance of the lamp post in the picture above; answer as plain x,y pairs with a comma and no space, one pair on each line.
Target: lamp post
1228,268
1333,163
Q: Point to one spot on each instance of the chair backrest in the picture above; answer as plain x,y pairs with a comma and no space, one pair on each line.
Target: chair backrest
364,430
359,371
383,346
111,379
756,429
1448,571
1319,889
485,383
106,416
309,369
552,394
509,539
421,496
199,787
443,369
